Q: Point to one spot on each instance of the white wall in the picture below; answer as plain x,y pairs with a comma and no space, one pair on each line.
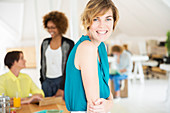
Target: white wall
133,42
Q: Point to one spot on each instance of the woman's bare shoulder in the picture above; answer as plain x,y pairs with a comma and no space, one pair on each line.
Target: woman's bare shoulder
86,54
87,46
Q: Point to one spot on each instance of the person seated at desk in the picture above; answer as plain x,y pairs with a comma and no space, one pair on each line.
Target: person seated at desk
125,46
124,67
14,82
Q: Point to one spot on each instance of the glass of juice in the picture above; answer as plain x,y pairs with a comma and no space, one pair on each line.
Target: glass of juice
17,101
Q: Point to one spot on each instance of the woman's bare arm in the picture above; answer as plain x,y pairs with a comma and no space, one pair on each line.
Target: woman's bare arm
86,58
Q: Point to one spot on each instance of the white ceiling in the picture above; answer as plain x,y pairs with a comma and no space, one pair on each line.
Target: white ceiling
138,18
143,17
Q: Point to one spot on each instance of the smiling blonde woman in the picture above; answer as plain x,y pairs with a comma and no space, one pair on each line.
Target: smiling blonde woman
87,69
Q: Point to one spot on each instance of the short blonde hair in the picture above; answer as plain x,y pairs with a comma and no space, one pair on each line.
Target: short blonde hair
94,7
117,48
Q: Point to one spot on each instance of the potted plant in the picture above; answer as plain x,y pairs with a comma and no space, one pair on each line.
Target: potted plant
167,44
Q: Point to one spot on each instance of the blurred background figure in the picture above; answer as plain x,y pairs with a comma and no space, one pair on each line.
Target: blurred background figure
125,47
54,54
14,82
123,65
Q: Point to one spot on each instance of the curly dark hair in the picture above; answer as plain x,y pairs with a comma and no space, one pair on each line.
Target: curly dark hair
59,19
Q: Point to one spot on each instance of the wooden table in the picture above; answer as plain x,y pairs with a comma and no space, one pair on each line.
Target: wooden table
31,108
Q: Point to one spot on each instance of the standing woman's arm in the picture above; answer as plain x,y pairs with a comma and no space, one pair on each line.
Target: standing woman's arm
41,62
86,60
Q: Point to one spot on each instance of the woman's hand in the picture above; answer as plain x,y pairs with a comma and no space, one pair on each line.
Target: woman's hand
60,92
101,106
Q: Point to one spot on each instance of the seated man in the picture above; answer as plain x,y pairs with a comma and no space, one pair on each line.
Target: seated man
14,82
124,67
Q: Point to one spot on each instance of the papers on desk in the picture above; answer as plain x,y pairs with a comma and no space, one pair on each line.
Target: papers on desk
165,67
48,101
113,72
50,111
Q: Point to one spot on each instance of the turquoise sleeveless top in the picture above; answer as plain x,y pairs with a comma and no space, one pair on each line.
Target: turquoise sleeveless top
75,97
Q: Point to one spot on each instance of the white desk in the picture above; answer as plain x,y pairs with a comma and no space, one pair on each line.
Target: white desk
138,70
166,67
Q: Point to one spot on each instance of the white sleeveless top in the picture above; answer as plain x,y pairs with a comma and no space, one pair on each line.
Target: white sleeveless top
54,62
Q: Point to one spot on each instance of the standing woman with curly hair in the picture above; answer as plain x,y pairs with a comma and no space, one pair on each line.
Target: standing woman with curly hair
54,54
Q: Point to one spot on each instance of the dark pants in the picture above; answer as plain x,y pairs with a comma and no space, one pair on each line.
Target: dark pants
51,85
116,80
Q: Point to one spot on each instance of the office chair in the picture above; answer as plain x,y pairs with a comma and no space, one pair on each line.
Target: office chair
150,64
